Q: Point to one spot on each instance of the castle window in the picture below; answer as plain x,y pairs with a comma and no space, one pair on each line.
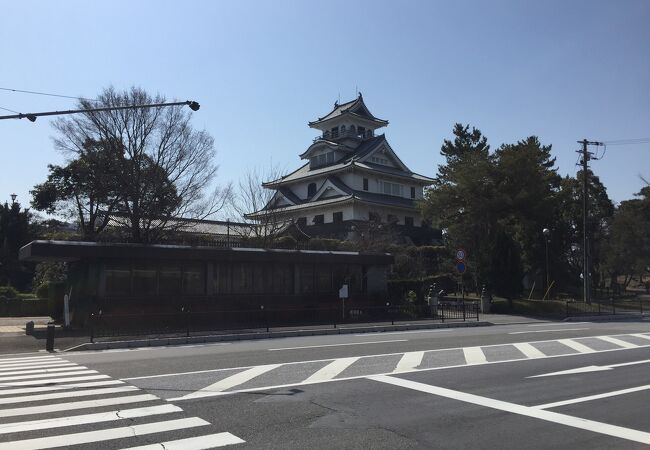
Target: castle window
408,221
302,221
319,219
322,159
412,192
311,189
374,217
335,132
386,187
337,217
343,130
330,157
365,184
361,131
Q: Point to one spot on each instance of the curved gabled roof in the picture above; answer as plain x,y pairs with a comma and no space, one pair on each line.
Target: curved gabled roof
356,108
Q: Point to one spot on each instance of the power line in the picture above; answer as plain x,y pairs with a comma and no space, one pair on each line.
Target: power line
628,141
10,110
47,94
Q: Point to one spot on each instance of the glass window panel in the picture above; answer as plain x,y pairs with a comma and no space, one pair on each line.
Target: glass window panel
194,280
144,280
169,281
283,279
307,279
222,279
323,278
242,278
118,280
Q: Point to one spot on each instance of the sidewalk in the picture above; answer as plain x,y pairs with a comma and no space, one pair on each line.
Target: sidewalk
14,340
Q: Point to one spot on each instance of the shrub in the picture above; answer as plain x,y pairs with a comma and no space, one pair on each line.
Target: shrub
8,292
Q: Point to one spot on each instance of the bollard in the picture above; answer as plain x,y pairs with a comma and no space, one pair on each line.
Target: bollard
29,328
49,339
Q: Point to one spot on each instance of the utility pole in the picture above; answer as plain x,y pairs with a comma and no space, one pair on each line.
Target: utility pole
586,276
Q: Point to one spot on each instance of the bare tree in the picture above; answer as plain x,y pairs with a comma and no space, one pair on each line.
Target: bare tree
167,167
252,203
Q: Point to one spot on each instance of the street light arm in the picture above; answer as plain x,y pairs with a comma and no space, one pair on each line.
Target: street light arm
194,106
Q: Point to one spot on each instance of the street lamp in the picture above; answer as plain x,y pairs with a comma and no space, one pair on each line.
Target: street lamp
194,106
547,233
13,198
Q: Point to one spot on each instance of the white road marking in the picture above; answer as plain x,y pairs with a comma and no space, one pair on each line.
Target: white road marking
554,324
593,397
474,355
577,346
641,335
231,381
194,443
176,374
59,387
88,437
337,345
548,331
83,393
331,370
45,364
549,416
409,361
48,370
591,369
60,422
29,358
51,381
76,405
619,342
384,333
528,350
46,375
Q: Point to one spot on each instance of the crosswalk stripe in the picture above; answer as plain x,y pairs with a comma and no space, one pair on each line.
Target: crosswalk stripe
618,342
48,370
641,335
31,358
409,361
576,345
331,370
528,350
82,393
60,387
27,366
474,355
52,380
24,411
88,437
85,419
46,375
232,381
194,443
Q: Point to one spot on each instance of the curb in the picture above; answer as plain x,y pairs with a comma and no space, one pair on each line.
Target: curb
606,317
161,342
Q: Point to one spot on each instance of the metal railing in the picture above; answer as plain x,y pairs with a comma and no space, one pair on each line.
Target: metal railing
186,322
604,307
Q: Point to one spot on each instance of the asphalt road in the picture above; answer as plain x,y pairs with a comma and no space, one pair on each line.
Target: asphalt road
542,385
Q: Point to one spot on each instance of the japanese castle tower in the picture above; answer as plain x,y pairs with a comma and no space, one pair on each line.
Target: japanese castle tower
351,175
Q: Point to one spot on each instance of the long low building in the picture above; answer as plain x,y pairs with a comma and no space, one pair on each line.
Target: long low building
124,278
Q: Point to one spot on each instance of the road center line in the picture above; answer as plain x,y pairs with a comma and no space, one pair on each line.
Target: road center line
549,416
548,331
336,345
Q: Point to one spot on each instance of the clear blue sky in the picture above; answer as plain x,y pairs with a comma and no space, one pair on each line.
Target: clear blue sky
561,70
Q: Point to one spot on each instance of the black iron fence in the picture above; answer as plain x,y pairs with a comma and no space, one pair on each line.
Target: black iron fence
604,307
186,322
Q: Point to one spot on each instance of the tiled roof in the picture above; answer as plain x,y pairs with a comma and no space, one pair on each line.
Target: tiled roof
359,107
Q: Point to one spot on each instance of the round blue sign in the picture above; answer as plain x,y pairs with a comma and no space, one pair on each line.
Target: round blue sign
460,267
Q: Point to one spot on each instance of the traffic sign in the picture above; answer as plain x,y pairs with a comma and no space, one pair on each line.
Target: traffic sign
461,267
460,255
